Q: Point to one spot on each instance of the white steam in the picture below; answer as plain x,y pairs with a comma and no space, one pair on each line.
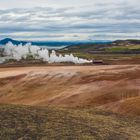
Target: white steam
19,52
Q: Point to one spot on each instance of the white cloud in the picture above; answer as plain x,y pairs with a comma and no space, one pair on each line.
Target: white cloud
69,20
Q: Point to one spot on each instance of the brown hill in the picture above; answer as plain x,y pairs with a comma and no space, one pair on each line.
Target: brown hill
112,87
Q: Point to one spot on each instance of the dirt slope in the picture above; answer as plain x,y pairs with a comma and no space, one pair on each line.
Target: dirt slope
115,88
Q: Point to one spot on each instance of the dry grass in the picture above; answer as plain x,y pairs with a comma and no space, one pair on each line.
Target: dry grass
48,123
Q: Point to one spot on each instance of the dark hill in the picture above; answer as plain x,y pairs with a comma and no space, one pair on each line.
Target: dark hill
15,42
38,43
118,46
129,41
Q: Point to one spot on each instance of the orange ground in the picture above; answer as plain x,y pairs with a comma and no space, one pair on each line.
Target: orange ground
112,87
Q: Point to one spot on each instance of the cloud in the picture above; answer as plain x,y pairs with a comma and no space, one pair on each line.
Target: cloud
71,20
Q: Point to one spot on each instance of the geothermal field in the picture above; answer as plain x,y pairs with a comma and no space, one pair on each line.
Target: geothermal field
27,51
67,97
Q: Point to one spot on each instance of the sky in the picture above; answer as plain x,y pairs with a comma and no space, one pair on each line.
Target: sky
70,20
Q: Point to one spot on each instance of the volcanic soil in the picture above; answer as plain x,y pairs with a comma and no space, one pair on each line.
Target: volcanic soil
109,87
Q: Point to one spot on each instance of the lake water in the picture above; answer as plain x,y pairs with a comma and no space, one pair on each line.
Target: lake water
53,47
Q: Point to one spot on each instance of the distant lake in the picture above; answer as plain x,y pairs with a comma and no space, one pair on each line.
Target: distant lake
53,47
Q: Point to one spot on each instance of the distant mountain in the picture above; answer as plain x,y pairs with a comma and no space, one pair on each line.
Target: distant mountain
15,42
52,43
38,43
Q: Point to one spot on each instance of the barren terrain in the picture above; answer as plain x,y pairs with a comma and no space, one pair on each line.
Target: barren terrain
112,87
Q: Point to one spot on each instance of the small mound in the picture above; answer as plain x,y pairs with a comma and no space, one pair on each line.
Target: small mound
130,106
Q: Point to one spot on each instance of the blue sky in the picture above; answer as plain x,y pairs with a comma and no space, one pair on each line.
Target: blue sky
70,20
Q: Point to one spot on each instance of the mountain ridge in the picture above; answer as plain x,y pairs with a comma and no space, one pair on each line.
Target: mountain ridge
51,43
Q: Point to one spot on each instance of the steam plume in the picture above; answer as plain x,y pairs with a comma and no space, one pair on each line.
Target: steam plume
19,52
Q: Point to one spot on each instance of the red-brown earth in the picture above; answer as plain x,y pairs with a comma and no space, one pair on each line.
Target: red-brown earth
109,87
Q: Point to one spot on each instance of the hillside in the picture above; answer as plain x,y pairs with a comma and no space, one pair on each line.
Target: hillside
38,43
111,88
119,46
117,52
16,42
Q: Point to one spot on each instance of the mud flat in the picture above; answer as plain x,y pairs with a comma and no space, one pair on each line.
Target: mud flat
110,87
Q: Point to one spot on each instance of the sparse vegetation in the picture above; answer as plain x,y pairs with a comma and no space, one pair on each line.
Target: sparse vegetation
118,52
42,123
116,49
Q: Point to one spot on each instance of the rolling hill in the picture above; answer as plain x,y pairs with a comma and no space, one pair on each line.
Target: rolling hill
118,46
112,88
